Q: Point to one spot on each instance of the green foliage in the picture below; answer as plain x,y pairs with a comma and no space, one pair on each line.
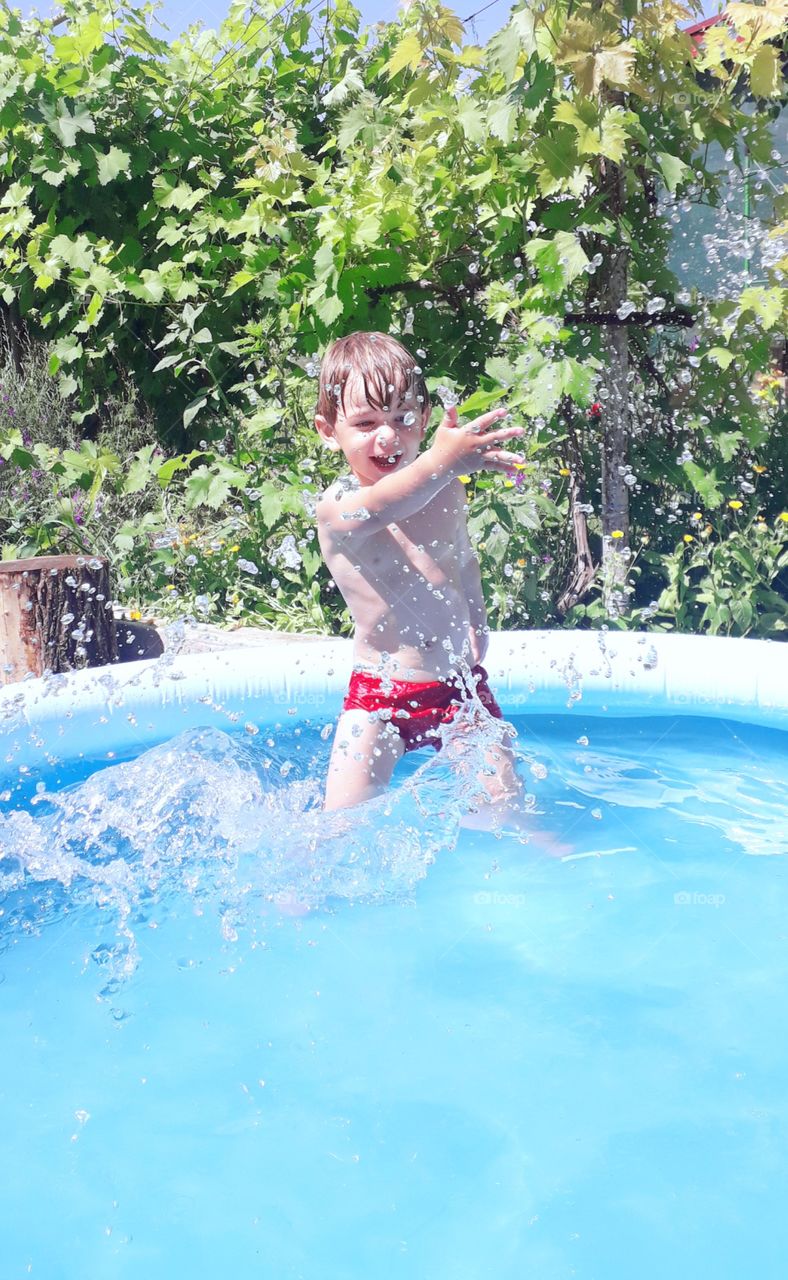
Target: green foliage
186,225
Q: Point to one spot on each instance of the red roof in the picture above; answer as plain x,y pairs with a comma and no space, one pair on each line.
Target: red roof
698,30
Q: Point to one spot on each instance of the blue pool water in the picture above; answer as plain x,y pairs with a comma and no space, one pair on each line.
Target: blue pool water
470,1058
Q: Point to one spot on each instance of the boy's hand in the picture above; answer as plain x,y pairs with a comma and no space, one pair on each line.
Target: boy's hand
472,447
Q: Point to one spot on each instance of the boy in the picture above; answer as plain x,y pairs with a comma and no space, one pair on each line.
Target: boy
394,536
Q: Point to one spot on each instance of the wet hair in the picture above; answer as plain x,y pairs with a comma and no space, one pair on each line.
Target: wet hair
379,362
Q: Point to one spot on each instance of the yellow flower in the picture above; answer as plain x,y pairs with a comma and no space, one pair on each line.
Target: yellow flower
783,516
235,547
520,564
759,470
760,517
735,505
207,552
135,615
508,484
170,587
519,466
563,471
464,479
688,537
696,515
617,533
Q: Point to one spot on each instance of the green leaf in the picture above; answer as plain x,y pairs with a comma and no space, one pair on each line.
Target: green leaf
742,613
728,444
205,488
501,117
66,125
270,505
674,170
179,463
765,76
408,53
472,120
704,484
75,253
140,471
767,304
503,52
559,261
191,410
721,356
329,309
111,164
351,82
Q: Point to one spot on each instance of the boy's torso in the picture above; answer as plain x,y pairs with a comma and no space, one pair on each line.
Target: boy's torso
403,589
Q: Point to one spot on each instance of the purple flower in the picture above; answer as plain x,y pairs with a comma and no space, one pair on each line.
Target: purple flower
546,484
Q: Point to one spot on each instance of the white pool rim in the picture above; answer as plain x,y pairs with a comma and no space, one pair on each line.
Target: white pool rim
126,708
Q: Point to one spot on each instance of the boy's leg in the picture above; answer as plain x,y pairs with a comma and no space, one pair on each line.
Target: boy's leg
350,780
504,789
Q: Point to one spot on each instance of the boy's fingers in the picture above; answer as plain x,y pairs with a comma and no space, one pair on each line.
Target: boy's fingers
488,419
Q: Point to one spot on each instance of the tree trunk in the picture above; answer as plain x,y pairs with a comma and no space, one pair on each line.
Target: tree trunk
583,571
55,615
11,324
615,410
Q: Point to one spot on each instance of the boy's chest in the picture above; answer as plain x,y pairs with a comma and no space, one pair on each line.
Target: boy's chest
424,543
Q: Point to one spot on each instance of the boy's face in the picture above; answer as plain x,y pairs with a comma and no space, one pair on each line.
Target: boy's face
369,437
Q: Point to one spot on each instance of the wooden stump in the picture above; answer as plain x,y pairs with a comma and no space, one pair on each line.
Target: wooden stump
55,615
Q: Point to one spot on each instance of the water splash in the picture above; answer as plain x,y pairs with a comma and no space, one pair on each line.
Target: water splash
236,824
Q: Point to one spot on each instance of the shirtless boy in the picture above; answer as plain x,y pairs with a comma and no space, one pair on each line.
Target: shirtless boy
394,536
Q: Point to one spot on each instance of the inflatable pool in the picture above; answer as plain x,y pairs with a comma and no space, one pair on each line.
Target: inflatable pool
245,1036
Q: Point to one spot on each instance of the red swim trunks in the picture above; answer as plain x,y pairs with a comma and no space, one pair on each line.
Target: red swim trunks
417,709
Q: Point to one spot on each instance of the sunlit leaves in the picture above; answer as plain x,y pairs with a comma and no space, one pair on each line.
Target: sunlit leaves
594,55
501,119
67,124
74,253
407,53
769,305
674,170
766,75
110,165
559,261
599,131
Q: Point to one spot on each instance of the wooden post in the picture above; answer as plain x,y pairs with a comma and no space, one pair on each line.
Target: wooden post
55,615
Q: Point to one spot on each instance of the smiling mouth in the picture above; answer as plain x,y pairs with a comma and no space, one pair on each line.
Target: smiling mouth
387,461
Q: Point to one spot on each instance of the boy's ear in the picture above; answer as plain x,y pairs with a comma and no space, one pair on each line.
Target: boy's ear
326,432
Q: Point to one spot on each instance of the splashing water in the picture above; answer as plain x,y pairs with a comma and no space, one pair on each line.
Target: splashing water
236,823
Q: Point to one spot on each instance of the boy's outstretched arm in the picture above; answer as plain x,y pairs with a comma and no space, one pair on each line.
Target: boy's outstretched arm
455,449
